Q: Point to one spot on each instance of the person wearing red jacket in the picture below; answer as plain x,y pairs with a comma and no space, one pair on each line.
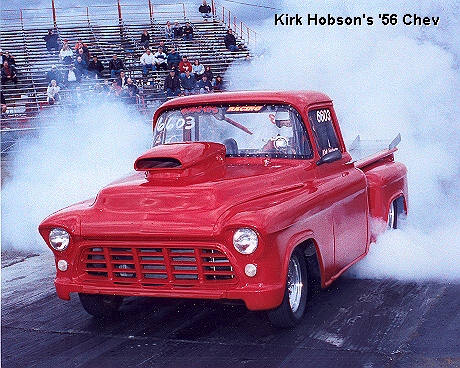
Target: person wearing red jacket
184,66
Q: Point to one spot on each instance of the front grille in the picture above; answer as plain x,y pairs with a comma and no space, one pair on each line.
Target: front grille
156,266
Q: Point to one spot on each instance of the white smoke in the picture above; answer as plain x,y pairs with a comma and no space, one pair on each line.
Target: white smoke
69,161
384,80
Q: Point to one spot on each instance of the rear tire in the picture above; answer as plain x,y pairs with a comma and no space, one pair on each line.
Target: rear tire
99,305
293,306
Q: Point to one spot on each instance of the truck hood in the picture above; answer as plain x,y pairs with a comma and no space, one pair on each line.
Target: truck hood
184,189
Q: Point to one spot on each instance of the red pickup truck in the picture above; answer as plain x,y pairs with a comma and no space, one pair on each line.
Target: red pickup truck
246,196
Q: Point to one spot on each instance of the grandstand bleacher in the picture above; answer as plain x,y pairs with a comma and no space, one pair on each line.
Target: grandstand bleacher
106,30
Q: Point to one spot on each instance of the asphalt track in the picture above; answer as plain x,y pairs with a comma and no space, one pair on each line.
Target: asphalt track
355,323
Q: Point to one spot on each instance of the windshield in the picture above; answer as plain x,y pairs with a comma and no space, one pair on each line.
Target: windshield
246,131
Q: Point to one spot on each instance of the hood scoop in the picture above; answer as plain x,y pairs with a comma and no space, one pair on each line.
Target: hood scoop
181,159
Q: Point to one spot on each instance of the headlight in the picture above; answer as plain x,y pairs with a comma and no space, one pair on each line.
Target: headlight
59,239
245,240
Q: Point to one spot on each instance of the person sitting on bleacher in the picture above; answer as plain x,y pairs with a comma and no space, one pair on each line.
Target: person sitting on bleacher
208,73
188,83
197,69
205,10
122,80
147,62
116,65
10,58
95,68
52,93
130,93
51,40
80,69
66,54
187,31
160,60
204,85
55,74
172,84
81,45
145,39
174,59
177,30
84,56
163,46
9,73
184,66
230,41
169,30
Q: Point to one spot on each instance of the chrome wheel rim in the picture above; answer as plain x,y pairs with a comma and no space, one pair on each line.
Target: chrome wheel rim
295,286
391,216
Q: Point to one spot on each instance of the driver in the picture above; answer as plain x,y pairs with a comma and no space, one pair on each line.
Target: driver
279,143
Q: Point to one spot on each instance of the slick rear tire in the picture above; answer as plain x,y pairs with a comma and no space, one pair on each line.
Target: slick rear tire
293,306
99,305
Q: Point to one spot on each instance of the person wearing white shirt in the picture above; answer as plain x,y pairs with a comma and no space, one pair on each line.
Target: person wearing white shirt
147,61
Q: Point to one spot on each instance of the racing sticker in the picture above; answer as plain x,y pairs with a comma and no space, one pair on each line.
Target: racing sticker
200,110
244,108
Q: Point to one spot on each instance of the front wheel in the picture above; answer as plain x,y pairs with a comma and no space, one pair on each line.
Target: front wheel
293,306
100,305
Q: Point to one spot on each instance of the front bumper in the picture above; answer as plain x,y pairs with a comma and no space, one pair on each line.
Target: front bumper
167,270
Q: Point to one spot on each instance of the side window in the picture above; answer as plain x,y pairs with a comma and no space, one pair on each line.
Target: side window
323,129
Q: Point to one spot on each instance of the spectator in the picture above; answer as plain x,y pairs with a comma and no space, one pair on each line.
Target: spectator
10,58
173,59
169,30
66,54
208,73
3,103
187,32
71,76
52,93
172,84
145,39
218,85
163,46
188,83
9,73
80,69
81,45
184,66
204,85
160,60
197,69
205,10
2,56
131,92
84,56
177,30
230,41
55,74
51,40
116,65
147,62
122,80
95,68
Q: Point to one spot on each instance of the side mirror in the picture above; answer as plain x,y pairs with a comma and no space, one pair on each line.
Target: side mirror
330,157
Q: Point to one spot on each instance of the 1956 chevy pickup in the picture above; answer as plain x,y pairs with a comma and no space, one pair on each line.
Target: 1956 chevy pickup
244,196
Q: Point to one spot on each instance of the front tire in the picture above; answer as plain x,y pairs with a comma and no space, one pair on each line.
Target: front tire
99,305
293,306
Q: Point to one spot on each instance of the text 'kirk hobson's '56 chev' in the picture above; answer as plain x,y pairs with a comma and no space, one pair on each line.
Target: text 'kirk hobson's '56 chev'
244,196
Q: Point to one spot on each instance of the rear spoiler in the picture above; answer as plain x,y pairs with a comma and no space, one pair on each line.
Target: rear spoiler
356,147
